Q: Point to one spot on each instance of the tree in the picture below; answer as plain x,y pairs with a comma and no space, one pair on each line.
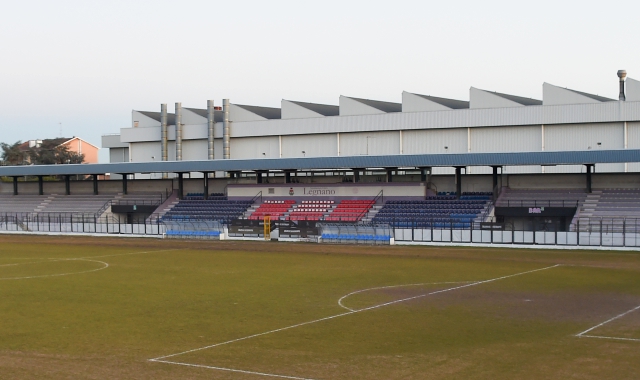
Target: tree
51,153
11,154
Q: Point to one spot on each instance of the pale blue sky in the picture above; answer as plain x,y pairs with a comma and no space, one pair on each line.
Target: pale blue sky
87,64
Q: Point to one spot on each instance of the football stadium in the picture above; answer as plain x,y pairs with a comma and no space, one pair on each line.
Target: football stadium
490,238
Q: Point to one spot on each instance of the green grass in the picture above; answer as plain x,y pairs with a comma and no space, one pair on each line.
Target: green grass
178,296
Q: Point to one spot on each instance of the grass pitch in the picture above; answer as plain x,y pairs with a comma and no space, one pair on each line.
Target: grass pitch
98,308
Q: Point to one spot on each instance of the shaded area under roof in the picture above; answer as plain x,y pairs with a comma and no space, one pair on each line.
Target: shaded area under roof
217,115
449,103
266,112
377,104
518,99
171,117
322,109
328,163
592,96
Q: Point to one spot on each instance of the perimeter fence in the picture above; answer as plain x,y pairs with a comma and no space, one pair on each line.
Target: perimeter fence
79,223
601,232
586,232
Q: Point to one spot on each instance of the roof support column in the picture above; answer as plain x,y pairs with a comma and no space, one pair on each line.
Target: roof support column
226,130
210,124
589,170
180,186
95,184
206,185
389,175
124,183
495,180
458,181
356,175
287,176
15,185
40,185
425,174
258,177
67,184
178,118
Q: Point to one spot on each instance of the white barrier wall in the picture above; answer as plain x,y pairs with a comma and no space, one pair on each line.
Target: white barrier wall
593,239
328,190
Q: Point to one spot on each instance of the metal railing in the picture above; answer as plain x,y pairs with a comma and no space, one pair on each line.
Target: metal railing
125,201
259,195
536,203
601,232
591,234
89,223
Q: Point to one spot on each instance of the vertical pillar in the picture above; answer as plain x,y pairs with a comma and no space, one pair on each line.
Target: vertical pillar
356,175
67,184
423,174
40,185
458,181
495,179
589,167
95,184
287,177
258,177
15,185
124,183
180,186
206,185
389,175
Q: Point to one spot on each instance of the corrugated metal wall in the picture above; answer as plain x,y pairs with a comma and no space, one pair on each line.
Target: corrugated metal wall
119,155
434,141
584,137
633,140
253,147
506,139
633,137
369,143
194,150
146,152
530,115
325,145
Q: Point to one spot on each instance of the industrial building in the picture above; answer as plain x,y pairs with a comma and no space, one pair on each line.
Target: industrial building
498,168
489,122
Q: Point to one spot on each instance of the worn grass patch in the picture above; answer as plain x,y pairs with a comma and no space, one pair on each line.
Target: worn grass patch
65,314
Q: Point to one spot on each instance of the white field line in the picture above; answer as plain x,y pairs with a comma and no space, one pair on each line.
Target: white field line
395,286
134,253
90,257
87,258
158,359
230,370
582,334
105,266
609,337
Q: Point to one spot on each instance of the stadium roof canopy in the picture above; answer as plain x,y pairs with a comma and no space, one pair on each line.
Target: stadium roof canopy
329,163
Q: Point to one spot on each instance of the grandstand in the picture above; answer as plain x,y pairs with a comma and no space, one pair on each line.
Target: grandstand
195,208
616,210
541,197
497,168
441,211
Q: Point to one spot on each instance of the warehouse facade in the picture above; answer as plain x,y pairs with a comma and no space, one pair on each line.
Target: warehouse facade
490,122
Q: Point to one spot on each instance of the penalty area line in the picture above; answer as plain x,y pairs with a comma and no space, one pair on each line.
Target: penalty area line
608,337
230,369
395,286
159,359
583,334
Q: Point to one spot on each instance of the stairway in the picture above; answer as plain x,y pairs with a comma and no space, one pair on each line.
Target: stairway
587,207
